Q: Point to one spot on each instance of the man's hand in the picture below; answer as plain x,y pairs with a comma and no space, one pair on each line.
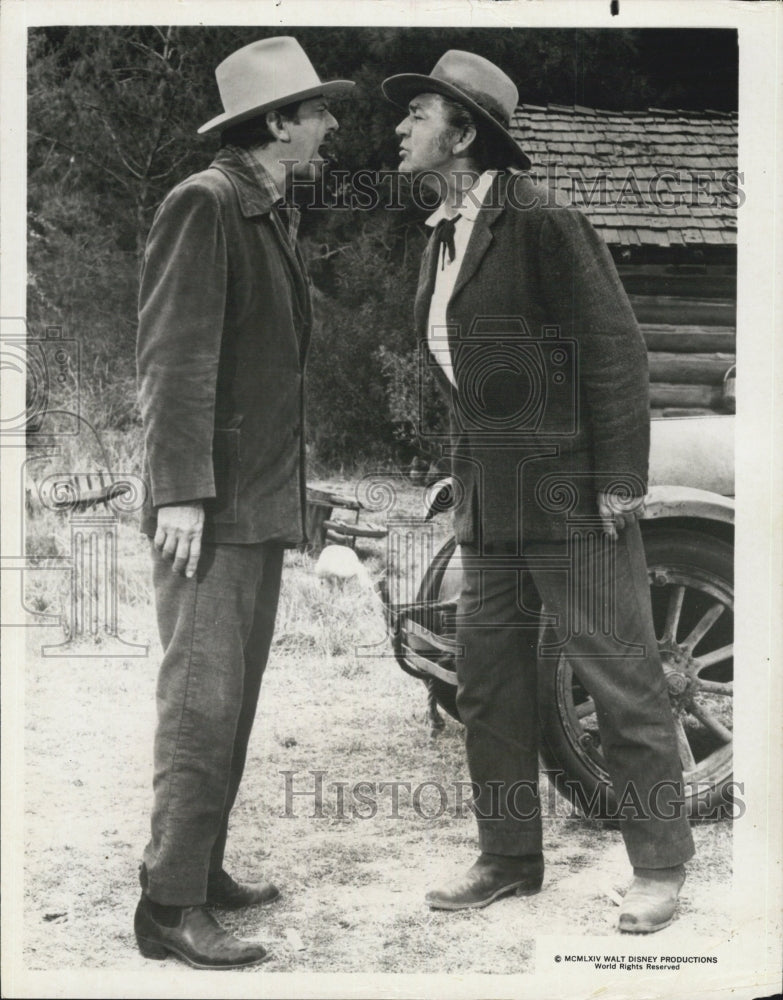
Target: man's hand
617,511
179,535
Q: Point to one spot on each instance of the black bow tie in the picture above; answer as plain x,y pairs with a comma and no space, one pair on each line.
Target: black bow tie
444,238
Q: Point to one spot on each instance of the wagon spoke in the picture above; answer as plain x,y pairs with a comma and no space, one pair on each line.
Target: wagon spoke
717,687
673,612
585,708
686,754
708,719
714,656
703,627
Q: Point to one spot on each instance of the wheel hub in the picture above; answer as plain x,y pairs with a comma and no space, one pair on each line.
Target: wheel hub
680,673
678,683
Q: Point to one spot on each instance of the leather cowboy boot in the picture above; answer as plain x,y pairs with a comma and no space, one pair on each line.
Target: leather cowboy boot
650,903
492,876
191,934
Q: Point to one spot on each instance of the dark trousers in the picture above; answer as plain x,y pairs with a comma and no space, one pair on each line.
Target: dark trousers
617,663
216,629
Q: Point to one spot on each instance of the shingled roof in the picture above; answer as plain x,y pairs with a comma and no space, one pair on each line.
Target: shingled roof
636,174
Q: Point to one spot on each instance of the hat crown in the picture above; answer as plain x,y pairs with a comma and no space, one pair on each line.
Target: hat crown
481,80
264,73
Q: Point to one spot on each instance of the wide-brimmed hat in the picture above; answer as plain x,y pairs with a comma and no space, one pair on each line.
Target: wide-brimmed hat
474,82
265,75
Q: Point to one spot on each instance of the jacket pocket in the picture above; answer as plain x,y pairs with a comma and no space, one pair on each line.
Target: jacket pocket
225,463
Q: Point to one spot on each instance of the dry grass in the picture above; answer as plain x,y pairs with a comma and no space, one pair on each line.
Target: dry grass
352,883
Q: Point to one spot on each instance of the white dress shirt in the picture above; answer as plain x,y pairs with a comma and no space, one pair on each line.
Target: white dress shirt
447,272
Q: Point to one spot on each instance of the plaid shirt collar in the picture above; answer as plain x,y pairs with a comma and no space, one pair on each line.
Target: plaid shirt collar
257,192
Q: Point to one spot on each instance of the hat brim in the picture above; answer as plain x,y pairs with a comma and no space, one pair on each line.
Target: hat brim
403,87
330,89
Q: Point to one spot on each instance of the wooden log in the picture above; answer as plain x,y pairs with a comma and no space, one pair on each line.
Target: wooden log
698,312
684,411
365,530
664,395
689,339
693,270
700,369
696,286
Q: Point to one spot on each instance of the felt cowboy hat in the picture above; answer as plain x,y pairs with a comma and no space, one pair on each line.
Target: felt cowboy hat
265,75
474,82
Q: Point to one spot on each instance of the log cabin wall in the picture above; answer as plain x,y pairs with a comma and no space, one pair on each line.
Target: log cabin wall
688,321
662,189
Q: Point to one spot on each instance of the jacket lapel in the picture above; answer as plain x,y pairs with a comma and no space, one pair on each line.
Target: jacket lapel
481,237
478,244
421,305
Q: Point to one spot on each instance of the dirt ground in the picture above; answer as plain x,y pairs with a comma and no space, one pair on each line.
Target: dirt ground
352,876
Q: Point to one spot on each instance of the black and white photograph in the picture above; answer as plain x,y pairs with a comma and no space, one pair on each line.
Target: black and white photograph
390,431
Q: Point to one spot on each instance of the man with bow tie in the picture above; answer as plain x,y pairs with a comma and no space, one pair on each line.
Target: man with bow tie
535,346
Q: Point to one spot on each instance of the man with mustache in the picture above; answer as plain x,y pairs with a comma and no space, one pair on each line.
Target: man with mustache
224,323
535,346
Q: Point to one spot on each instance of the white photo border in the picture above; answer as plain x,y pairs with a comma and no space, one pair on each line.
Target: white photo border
750,960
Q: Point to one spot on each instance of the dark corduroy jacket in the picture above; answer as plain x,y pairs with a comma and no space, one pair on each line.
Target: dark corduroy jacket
224,324
552,397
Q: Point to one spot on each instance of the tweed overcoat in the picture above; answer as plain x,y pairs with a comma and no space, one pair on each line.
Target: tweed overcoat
552,396
224,324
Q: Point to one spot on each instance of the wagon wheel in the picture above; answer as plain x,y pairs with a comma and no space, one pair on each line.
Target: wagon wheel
691,581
